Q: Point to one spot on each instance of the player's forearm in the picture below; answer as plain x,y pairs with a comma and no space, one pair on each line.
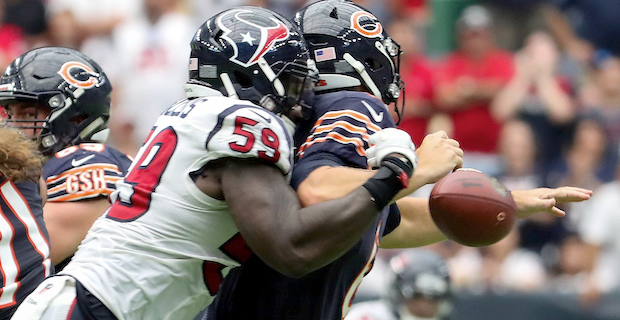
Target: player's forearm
416,228
328,183
332,228
319,234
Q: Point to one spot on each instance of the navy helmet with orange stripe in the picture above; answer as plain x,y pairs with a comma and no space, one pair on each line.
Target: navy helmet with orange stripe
253,54
351,49
65,83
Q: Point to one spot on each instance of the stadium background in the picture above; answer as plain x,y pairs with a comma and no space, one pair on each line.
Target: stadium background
545,269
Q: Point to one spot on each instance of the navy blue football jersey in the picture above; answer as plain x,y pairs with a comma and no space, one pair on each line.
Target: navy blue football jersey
84,171
24,245
338,136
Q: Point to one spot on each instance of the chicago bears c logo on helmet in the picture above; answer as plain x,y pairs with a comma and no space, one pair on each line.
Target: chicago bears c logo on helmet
79,75
253,42
366,24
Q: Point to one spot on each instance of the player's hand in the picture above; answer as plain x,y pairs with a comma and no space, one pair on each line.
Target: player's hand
545,200
438,155
387,141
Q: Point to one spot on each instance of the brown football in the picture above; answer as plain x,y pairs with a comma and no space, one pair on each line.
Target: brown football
472,208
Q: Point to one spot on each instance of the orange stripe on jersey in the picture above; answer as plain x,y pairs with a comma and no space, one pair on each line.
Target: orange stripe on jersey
331,128
348,113
78,170
344,125
89,194
335,136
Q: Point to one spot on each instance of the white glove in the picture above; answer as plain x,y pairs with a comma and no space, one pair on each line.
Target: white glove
390,140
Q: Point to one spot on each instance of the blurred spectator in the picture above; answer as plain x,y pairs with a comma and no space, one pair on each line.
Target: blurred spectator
467,81
420,288
508,267
566,271
384,10
203,9
12,39
417,73
515,20
501,267
584,26
465,265
517,149
538,94
416,11
151,52
286,8
602,94
588,162
599,230
29,16
87,25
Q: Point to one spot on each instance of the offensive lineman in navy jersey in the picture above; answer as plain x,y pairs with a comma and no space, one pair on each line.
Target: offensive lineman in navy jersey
24,248
61,98
353,54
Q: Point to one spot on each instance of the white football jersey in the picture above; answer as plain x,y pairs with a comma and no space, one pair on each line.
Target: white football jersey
162,248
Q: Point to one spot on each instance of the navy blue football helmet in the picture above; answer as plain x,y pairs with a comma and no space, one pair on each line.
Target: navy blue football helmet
351,48
420,273
253,54
71,85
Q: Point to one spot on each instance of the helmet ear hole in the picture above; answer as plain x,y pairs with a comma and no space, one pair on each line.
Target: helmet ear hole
77,120
243,79
373,64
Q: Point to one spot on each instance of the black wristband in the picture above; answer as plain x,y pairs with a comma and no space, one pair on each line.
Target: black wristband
391,177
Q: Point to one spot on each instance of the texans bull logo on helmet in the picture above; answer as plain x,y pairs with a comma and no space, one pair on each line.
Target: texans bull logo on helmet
252,45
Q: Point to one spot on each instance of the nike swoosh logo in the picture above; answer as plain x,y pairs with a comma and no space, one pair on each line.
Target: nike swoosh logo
268,119
76,163
378,117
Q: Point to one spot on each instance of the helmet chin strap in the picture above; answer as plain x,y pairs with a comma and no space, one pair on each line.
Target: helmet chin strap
271,76
228,85
359,67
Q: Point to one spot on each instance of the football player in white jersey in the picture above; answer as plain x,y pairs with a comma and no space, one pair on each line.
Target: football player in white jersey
210,186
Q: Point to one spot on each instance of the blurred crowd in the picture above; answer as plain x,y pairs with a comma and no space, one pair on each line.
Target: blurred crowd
530,88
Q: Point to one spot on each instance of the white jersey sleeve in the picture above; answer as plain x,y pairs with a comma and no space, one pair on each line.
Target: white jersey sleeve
244,131
163,247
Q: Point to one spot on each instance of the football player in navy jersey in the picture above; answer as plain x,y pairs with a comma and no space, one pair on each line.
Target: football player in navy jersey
24,248
61,98
358,67
210,186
